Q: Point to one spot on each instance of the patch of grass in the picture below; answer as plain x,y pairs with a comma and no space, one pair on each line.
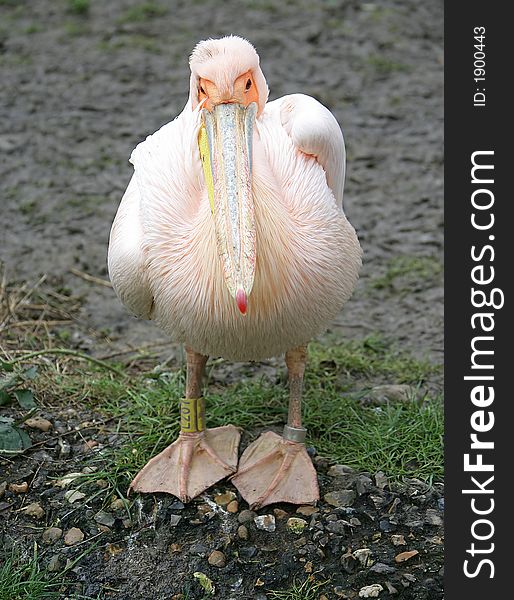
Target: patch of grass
79,7
386,66
24,579
400,439
413,269
143,12
306,590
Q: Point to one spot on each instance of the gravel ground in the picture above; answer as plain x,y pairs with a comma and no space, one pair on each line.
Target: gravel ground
79,91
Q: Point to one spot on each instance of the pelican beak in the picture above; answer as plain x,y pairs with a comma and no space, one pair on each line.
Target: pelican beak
226,140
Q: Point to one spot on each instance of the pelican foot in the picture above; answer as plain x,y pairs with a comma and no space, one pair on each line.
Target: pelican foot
190,465
273,469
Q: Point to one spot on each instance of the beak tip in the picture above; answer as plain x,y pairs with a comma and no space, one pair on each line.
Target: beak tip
242,300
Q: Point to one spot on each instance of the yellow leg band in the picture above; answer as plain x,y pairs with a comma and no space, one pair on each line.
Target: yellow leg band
192,415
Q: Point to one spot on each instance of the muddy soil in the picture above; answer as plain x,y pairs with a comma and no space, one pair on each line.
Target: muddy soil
79,91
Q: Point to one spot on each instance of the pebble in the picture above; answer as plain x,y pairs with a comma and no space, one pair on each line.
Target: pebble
224,499
51,535
34,510
340,498
104,518
73,536
177,505
19,488
199,549
381,480
54,564
398,540
246,515
217,559
73,496
432,517
3,487
382,569
265,522
175,520
233,507
338,527
370,591
405,556
363,484
363,555
400,392
279,513
39,423
336,470
296,525
242,532
386,526
307,511
117,504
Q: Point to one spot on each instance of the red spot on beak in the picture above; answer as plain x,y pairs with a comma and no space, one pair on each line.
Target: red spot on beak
242,300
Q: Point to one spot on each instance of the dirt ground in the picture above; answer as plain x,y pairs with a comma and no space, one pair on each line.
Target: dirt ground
80,88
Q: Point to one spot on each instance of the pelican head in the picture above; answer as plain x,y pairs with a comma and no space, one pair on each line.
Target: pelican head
228,86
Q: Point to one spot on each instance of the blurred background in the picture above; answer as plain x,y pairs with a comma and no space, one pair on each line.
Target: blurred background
84,81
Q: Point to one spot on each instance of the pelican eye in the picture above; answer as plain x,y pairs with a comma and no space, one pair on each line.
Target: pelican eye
248,85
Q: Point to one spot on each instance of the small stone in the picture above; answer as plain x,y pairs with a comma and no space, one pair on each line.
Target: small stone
177,505
405,556
113,550
54,564
233,507
174,548
248,552
348,562
307,510
246,515
51,535
401,393
378,501
242,532
101,483
381,480
265,522
19,488
355,522
390,588
363,555
217,559
339,527
382,569
89,445
336,470
34,510
224,499
39,423
370,591
74,496
386,526
279,513
199,550
3,487
398,540
296,525
340,498
104,518
363,484
175,520
117,505
433,518
67,479
73,536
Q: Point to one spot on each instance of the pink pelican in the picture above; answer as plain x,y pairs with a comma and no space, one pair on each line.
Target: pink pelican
231,236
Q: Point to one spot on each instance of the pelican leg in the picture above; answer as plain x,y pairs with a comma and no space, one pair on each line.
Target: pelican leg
277,468
199,457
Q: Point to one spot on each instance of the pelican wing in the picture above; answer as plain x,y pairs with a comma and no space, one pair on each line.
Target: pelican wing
126,257
315,131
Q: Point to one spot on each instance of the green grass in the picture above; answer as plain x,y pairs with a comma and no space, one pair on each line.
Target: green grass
78,7
24,579
143,12
403,439
410,269
308,589
386,66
